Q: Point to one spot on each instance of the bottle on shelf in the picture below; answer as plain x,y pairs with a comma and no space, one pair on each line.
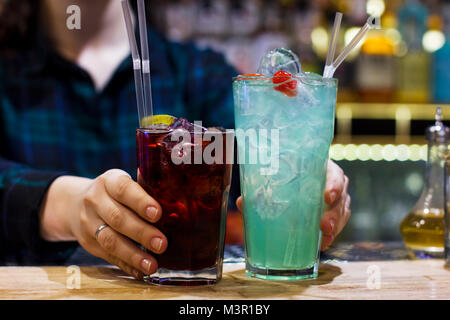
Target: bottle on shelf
413,68
375,69
423,228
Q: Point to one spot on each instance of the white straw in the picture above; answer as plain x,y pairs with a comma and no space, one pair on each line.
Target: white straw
145,59
136,60
356,39
333,41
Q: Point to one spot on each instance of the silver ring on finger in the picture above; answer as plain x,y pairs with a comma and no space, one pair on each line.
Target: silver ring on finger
103,226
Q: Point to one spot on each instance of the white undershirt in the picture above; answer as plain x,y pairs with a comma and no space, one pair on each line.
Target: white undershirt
105,51
100,44
101,61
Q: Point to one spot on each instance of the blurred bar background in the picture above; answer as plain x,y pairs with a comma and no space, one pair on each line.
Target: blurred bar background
388,88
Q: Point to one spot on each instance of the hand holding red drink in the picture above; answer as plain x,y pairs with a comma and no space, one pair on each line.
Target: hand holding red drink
75,207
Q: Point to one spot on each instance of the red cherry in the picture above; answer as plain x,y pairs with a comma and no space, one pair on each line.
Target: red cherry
287,87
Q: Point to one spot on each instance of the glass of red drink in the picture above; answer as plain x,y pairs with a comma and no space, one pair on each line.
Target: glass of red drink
189,173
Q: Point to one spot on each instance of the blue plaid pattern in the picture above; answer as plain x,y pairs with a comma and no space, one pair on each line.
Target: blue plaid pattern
53,122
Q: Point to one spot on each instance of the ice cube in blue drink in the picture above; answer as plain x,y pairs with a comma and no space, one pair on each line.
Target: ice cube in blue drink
279,59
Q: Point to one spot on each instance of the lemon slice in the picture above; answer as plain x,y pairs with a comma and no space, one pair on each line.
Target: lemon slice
159,120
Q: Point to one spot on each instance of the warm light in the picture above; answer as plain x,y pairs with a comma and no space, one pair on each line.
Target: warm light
363,152
337,152
389,20
415,152
403,152
377,152
435,22
344,113
377,43
401,49
350,152
375,7
433,40
389,152
423,152
394,35
414,183
319,39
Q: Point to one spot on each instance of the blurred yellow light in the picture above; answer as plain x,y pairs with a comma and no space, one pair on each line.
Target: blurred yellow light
389,152
433,40
414,182
403,152
394,35
388,20
414,152
375,7
344,113
319,39
435,22
401,49
363,152
423,152
376,152
350,152
377,43
337,152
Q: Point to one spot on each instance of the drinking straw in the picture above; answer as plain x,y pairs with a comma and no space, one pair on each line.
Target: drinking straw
332,45
288,259
148,105
136,60
361,33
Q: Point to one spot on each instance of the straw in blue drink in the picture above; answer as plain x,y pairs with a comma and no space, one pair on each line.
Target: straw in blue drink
330,67
333,41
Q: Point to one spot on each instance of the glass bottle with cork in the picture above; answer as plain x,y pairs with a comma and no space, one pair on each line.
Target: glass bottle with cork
423,228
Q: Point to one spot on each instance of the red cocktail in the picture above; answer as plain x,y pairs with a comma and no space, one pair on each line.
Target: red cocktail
175,168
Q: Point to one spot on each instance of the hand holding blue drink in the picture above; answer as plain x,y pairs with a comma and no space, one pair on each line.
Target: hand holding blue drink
284,128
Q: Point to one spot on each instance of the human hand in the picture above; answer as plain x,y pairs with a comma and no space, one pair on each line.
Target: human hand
337,201
75,207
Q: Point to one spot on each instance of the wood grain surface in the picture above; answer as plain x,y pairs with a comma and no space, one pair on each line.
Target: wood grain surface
403,279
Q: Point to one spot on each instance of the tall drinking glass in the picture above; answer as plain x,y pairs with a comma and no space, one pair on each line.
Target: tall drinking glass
191,181
283,144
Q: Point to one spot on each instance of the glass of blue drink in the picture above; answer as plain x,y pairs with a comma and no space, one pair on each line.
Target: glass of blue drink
284,128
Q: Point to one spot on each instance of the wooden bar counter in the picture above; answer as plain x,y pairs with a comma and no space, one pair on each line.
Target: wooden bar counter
338,279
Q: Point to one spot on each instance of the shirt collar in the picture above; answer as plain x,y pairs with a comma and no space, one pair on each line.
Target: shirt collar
42,55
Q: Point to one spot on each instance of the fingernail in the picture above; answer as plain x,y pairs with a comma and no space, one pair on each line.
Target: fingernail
146,265
156,244
333,195
332,223
152,213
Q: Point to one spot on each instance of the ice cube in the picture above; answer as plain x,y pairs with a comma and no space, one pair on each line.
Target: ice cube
182,123
286,172
268,207
279,59
310,197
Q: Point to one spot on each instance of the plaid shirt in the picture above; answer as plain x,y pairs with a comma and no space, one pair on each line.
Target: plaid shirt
53,122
